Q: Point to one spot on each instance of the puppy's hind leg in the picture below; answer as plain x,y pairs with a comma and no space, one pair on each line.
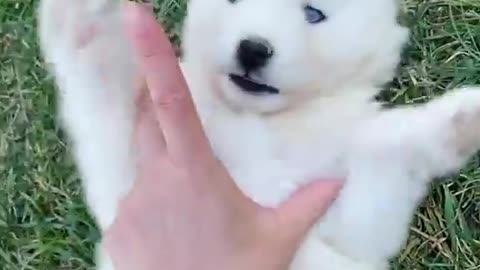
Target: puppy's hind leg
85,46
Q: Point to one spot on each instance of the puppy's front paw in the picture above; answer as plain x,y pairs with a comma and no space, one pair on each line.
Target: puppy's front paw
454,120
65,26
85,43
465,122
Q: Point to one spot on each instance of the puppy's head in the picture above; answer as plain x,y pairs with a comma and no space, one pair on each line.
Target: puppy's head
265,55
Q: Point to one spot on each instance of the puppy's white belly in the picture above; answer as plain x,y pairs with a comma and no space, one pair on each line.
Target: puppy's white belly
267,167
270,180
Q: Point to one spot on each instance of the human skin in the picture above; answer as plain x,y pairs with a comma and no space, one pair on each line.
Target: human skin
185,211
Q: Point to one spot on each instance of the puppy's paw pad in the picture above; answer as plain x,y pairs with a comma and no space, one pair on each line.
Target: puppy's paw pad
466,121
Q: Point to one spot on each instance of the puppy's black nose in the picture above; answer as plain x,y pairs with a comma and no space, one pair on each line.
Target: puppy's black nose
253,54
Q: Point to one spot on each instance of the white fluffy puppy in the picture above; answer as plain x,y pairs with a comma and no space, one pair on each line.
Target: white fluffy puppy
285,91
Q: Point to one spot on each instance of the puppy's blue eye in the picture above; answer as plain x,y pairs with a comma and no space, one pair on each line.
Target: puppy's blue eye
313,15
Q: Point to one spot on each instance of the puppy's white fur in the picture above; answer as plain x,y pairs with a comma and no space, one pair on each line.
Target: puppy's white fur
323,123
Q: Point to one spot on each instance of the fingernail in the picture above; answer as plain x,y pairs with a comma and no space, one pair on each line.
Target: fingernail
136,18
132,12
337,186
135,9
148,6
334,186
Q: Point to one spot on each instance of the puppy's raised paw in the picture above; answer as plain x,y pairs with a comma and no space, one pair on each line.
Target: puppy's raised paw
84,41
86,47
65,26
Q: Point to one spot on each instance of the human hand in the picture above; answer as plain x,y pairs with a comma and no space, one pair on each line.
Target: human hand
185,211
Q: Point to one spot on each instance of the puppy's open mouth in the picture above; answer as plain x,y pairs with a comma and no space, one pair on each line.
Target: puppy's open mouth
251,86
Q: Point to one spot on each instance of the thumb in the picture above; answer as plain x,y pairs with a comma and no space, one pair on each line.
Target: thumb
298,214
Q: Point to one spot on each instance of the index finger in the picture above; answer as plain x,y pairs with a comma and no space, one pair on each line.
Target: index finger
172,101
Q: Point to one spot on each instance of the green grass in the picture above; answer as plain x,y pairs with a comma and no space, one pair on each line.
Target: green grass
45,225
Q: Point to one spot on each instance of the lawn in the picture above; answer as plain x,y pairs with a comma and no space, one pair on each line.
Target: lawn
45,225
